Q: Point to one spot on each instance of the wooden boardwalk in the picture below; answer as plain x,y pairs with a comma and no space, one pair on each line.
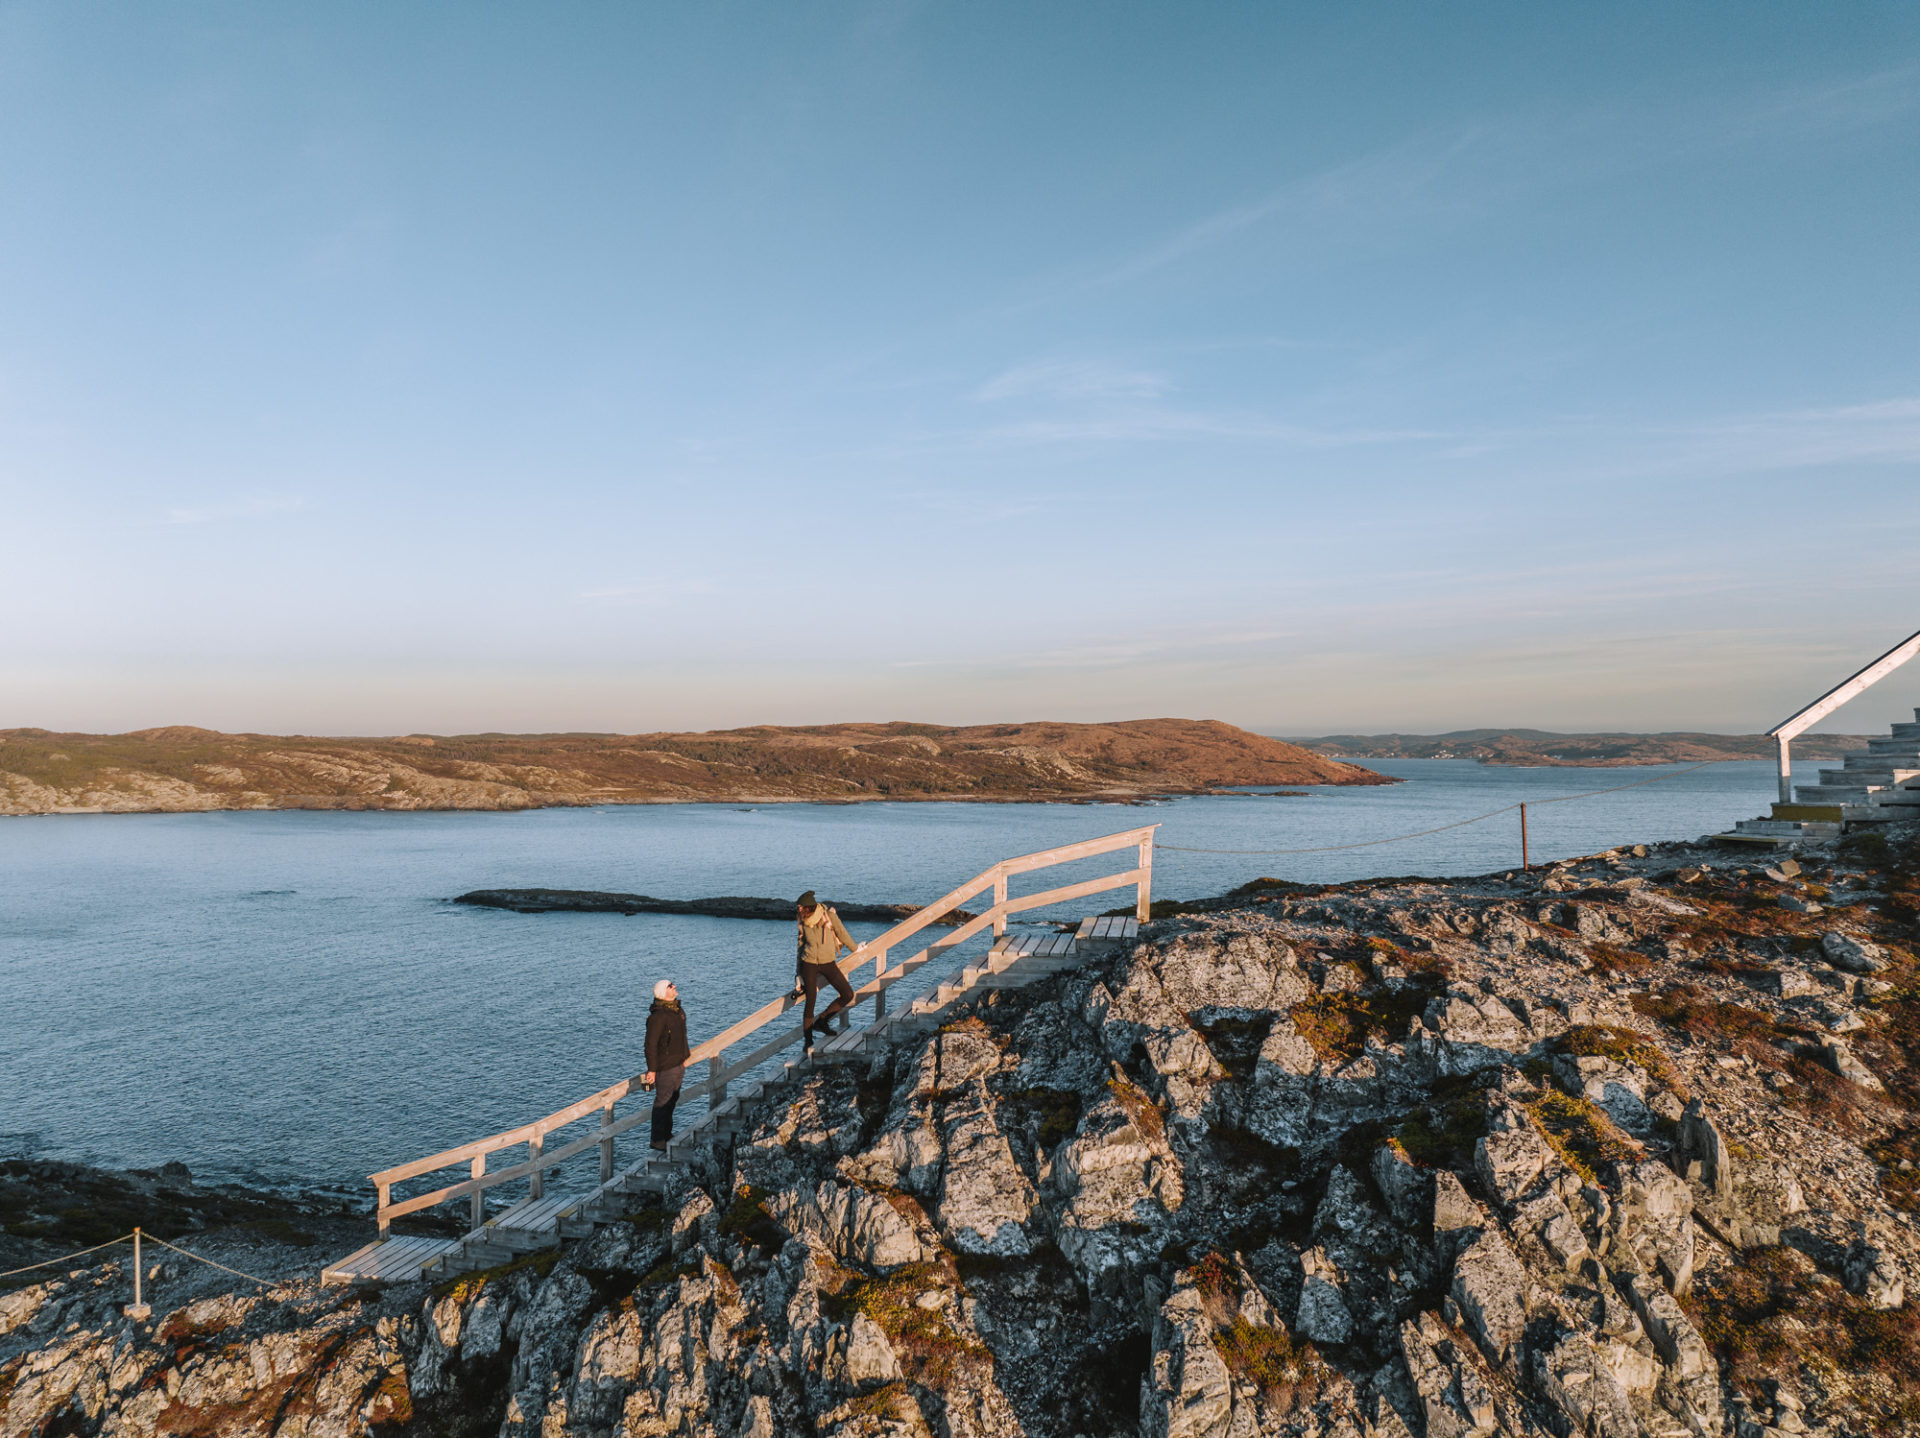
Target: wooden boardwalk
541,1220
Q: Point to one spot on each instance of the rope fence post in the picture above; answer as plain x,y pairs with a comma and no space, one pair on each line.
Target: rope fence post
138,1311
1525,867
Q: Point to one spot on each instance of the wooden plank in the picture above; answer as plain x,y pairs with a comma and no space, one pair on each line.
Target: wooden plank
349,1266
534,1216
560,1118
1085,930
404,1266
1073,891
399,1256
1068,853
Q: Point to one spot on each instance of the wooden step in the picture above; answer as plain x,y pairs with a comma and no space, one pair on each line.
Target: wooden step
389,1260
1110,930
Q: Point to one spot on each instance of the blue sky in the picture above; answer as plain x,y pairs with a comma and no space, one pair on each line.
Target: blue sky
389,367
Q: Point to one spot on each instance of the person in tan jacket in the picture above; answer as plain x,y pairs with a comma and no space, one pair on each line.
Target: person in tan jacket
817,962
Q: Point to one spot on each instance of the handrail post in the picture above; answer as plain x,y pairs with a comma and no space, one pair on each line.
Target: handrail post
1786,768
1144,909
999,901
716,1081
879,995
477,1208
536,1146
606,1142
383,1192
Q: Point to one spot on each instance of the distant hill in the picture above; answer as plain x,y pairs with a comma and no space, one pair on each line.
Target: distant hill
191,769
1538,746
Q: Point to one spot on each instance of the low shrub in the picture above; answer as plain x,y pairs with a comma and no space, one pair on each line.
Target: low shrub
934,1353
747,1220
1443,1134
1582,1134
1624,1046
1338,1025
1140,1109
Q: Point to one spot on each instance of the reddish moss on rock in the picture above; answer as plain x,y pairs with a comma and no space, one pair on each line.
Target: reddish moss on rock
1770,1311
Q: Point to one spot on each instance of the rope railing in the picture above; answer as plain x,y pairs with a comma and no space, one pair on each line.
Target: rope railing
138,1309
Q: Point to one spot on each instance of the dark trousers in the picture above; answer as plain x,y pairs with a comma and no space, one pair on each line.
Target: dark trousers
814,977
666,1093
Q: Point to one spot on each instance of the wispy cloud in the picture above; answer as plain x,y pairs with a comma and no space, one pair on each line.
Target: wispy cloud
1381,187
1165,423
1083,379
1824,108
1881,431
251,507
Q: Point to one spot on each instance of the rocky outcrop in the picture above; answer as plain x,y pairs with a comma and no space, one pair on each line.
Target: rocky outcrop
1400,1159
594,901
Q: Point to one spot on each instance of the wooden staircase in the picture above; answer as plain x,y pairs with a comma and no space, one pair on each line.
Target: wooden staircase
541,1220
1874,787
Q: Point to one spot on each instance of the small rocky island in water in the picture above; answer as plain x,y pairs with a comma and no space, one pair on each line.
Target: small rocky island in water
1621,1147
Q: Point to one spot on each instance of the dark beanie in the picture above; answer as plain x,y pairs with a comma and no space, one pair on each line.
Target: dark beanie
807,901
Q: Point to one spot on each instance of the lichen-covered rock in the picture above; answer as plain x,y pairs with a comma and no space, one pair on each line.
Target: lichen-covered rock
1873,1274
1490,1286
1844,951
1842,1061
1322,1314
1189,1393
984,1198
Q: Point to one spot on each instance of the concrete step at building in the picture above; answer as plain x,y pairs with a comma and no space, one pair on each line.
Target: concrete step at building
1899,765
1893,744
1778,832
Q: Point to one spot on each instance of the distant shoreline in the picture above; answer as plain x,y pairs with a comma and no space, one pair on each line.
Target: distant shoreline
186,770
1537,748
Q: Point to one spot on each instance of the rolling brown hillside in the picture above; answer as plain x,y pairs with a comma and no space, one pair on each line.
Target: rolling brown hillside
182,768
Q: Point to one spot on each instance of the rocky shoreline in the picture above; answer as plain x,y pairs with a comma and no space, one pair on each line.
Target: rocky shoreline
1625,1146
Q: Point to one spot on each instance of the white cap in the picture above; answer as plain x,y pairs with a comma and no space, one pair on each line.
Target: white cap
660,989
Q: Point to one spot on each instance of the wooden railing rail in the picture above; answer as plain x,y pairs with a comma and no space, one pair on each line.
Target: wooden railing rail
540,1159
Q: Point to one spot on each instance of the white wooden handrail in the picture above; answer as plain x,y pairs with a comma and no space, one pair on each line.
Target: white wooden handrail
1787,730
540,1159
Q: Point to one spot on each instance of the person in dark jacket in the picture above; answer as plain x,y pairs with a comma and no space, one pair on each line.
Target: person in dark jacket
817,963
666,1057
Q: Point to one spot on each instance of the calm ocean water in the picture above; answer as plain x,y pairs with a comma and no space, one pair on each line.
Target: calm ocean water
288,997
